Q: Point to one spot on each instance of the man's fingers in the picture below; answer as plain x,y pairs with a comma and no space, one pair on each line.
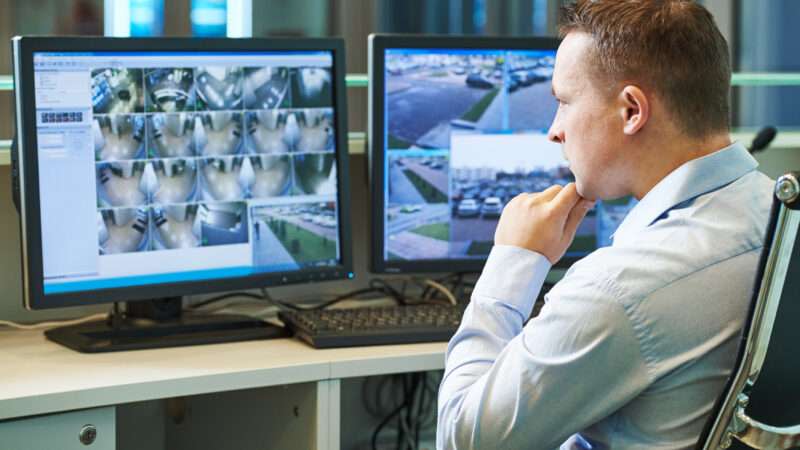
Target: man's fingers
567,198
575,217
550,193
545,195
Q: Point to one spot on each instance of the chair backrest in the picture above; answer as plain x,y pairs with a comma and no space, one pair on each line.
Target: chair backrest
765,385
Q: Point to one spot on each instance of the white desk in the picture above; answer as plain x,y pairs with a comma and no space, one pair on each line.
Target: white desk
38,377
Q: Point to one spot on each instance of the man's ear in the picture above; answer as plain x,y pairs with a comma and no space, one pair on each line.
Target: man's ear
634,108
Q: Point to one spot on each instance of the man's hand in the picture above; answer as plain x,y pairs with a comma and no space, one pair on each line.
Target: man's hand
544,222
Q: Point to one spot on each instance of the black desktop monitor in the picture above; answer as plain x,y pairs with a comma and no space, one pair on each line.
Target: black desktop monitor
459,127
159,168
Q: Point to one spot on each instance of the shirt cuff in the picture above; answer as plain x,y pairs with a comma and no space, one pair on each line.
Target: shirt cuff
513,275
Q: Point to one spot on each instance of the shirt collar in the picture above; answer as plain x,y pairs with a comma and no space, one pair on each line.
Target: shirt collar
688,181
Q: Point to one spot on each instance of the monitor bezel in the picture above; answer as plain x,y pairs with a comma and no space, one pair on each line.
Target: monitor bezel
23,49
378,44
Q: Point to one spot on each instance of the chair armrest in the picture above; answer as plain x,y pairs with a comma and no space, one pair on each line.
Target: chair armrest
759,435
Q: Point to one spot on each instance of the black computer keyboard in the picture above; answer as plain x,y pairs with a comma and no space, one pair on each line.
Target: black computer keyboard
401,324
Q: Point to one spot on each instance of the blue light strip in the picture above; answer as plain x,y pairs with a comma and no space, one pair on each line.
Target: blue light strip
176,277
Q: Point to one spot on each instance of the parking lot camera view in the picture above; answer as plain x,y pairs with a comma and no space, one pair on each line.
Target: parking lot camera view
294,235
465,132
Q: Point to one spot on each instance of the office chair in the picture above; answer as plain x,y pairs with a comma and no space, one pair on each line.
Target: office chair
760,405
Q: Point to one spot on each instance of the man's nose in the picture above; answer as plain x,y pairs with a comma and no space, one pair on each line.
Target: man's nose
555,133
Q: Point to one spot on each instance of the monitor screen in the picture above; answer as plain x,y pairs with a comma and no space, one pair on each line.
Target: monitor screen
186,167
462,129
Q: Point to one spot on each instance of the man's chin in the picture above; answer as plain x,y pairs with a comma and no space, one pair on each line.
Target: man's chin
596,195
584,191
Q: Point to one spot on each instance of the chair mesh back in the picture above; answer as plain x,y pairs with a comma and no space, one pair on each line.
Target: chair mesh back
775,397
762,264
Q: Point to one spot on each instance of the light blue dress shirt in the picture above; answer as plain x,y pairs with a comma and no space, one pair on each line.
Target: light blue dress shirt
634,344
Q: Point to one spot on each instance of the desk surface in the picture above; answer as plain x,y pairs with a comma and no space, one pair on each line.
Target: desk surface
39,377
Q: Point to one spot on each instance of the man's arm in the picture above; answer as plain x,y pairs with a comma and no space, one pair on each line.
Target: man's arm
511,387
506,386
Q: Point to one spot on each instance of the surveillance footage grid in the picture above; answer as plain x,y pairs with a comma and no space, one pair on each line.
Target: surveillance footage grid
217,155
465,132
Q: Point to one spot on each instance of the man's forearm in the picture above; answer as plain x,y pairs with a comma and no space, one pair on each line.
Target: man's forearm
501,302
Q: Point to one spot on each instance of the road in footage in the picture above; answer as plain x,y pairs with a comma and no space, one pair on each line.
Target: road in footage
426,103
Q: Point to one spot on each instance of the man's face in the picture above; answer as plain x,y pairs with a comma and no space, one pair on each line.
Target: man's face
588,124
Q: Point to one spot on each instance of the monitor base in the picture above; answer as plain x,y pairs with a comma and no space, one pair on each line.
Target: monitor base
136,333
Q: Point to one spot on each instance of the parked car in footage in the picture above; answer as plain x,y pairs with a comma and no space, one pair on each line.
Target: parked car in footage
468,208
492,208
478,80
408,209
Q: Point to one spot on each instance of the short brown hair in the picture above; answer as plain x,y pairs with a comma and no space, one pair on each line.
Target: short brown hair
671,46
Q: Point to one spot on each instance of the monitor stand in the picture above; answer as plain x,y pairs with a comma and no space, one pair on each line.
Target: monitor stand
158,324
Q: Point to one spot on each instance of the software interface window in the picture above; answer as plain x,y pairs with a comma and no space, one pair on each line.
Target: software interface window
466,131
180,166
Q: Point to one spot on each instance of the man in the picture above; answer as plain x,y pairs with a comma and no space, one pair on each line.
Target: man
634,344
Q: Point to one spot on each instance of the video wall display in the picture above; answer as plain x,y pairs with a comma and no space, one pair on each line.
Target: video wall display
465,132
185,155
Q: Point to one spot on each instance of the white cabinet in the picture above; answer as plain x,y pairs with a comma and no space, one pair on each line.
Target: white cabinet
64,431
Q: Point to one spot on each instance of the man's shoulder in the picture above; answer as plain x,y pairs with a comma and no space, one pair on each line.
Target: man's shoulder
705,232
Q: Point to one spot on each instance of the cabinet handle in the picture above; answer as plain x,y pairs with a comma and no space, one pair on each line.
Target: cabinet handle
88,434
